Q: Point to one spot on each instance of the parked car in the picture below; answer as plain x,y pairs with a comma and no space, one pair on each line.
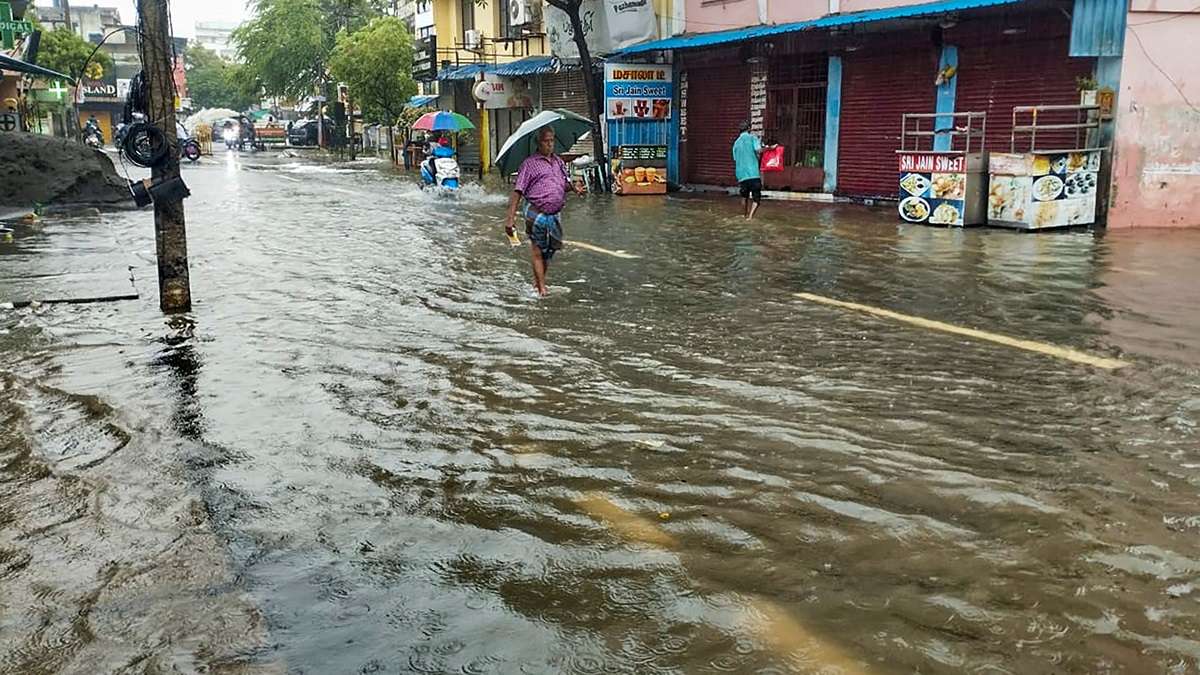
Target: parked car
304,132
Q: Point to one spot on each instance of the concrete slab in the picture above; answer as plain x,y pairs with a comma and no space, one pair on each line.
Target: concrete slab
63,259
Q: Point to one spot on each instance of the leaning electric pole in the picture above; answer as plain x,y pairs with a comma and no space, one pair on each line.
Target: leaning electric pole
170,236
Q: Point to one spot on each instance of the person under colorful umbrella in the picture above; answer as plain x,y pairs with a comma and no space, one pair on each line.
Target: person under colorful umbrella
442,121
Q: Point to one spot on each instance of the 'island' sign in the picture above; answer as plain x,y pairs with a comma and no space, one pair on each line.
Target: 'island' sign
9,28
920,162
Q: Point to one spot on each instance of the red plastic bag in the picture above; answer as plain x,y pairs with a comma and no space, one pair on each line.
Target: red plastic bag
772,159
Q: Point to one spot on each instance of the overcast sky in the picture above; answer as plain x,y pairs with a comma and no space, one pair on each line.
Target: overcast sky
185,13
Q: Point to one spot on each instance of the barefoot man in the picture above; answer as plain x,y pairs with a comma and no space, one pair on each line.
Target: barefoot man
542,181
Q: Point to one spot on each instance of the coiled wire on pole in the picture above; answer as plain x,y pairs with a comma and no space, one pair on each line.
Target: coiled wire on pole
145,145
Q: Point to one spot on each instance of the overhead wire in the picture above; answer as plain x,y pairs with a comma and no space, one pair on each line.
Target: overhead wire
1163,72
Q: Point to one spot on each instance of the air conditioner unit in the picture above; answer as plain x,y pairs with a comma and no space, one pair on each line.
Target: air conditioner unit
472,39
520,12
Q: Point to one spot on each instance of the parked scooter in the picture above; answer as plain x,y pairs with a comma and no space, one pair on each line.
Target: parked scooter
189,147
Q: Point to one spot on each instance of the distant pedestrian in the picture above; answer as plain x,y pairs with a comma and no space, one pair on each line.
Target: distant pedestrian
542,182
747,150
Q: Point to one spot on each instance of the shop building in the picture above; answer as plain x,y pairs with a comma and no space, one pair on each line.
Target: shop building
500,63
833,89
1156,171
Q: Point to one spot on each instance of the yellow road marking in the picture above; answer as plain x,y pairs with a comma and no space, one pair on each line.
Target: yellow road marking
768,621
1028,345
629,525
783,633
597,249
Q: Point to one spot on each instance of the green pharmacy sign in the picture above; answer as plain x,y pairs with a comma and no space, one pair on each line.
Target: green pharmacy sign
9,28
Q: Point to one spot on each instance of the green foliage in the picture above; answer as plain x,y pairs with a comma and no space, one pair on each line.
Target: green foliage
284,46
66,52
376,63
410,115
288,43
216,83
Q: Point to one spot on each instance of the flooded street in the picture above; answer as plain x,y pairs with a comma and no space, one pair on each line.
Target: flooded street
370,449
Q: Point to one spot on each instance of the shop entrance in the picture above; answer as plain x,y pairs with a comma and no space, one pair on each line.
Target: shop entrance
796,90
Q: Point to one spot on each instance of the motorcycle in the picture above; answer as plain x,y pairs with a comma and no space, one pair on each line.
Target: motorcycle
230,136
93,137
190,149
440,172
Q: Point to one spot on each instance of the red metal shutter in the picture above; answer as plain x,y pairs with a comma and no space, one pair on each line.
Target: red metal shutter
997,72
566,90
718,101
877,88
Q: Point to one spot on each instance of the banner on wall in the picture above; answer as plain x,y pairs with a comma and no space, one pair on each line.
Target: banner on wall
608,26
637,91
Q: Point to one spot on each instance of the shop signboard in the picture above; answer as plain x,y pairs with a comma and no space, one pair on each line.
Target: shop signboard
425,63
933,187
9,122
11,28
1035,191
637,91
496,92
641,170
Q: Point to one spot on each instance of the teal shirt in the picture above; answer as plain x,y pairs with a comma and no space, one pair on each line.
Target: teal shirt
745,156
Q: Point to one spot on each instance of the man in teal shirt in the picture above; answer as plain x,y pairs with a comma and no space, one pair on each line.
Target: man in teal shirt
746,152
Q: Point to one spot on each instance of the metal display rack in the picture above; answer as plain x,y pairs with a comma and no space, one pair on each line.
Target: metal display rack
943,187
1051,175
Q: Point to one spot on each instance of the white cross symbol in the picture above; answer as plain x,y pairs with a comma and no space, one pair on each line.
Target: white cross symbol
58,89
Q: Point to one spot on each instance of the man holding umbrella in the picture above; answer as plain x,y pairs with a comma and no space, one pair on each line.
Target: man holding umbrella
542,181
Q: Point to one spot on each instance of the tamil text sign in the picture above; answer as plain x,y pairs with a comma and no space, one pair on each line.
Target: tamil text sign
637,91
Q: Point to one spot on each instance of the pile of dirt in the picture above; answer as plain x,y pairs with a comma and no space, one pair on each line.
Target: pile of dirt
36,169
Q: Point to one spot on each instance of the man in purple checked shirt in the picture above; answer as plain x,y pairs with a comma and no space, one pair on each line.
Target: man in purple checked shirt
542,181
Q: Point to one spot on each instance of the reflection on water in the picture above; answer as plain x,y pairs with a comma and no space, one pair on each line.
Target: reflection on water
404,464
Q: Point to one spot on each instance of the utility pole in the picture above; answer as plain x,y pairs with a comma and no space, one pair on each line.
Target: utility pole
170,237
350,124
66,8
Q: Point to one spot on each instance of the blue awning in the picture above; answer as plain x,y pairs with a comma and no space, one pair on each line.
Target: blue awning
421,101
830,21
467,72
530,65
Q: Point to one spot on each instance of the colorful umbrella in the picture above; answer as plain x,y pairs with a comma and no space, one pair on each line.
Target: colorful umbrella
442,121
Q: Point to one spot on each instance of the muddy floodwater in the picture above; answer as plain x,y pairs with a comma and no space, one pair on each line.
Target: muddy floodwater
370,449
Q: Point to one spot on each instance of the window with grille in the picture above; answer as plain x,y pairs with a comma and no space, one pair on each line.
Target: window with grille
505,17
467,10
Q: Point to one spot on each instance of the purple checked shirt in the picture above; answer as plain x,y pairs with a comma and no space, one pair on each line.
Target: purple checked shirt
543,182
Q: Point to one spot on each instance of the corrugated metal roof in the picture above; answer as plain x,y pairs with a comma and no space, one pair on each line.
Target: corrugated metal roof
467,72
1098,28
10,63
831,21
421,101
530,65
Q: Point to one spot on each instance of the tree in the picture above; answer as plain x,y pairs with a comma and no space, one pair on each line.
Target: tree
376,63
572,8
285,47
66,52
214,82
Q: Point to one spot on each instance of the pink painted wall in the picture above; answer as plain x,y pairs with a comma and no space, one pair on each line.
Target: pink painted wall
706,16
1156,163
